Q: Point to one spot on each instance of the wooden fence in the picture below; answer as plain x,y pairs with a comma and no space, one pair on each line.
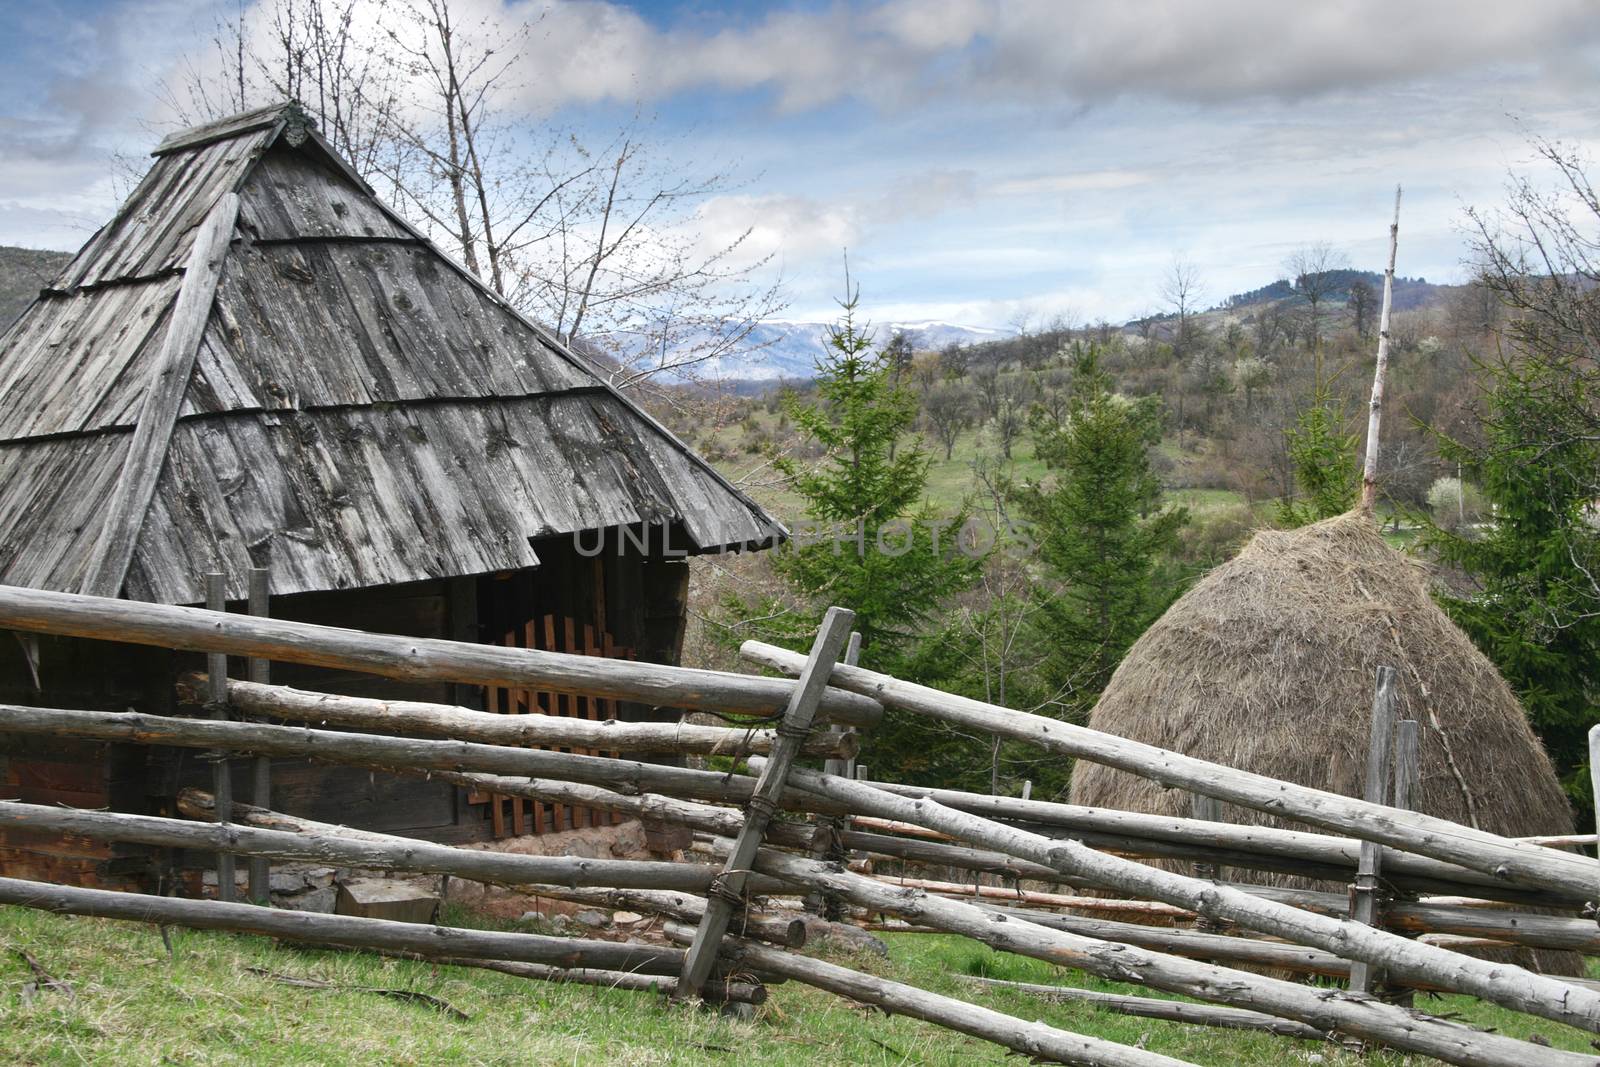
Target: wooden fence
1426,894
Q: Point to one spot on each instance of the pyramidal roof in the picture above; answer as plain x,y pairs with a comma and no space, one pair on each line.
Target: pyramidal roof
258,363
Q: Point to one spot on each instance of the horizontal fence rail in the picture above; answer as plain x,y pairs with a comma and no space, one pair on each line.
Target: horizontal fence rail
412,658
1505,858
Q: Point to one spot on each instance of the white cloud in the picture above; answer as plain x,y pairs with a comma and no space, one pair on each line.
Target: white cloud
778,225
898,52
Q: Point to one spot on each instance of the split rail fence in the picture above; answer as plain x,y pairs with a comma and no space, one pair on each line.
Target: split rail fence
1425,897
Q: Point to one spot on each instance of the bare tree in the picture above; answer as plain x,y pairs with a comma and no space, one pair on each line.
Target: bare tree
1181,290
1313,268
948,410
323,54
1010,417
985,377
1363,303
601,243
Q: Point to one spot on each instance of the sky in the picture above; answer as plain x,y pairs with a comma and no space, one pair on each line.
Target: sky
980,161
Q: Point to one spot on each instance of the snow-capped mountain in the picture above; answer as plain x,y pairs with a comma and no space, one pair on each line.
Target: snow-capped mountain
781,349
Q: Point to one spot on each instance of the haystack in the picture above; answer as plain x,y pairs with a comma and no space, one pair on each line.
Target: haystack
1267,664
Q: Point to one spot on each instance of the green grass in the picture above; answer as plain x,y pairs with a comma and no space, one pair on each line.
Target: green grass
133,1004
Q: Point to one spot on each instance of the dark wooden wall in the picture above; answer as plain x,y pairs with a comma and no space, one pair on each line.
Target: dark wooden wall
635,594
92,675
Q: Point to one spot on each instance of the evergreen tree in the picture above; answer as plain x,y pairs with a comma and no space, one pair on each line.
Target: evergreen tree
1326,468
871,543
1101,530
1535,612
875,545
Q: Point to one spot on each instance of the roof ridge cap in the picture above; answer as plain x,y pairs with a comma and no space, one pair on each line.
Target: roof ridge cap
231,126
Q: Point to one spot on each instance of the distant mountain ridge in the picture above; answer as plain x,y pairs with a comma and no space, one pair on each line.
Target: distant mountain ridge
778,349
1408,292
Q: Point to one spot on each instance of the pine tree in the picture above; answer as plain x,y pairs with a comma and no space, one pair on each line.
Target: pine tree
1535,612
874,544
1102,532
1326,468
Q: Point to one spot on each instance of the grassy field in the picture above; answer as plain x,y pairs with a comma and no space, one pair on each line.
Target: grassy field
219,999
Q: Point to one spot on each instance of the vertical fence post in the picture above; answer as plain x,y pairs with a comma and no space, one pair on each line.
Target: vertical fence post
260,766
221,772
1407,785
828,844
727,890
1364,893
1210,810
1594,774
852,655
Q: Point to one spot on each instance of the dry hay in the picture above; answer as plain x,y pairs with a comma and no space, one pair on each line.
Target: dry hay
1268,665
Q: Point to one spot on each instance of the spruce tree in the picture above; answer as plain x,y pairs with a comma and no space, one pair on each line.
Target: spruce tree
1326,468
1102,532
1535,610
873,544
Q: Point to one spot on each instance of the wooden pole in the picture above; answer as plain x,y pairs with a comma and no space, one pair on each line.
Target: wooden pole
830,829
1265,848
221,771
1034,1040
1594,771
260,766
1369,473
1326,1009
413,658
1503,858
1407,762
1205,809
1408,961
1407,783
344,930
1177,1011
1523,928
683,907
1364,892
1191,944
335,848
372,750
412,718
727,892
1033,898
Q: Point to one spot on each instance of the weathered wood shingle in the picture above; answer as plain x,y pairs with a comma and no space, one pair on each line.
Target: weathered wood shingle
361,411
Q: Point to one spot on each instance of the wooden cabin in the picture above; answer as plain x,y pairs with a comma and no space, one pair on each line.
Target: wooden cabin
257,364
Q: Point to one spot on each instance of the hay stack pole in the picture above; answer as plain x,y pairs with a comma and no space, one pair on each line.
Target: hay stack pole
1369,473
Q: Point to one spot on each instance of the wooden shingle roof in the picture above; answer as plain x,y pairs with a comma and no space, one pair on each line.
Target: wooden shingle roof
256,362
